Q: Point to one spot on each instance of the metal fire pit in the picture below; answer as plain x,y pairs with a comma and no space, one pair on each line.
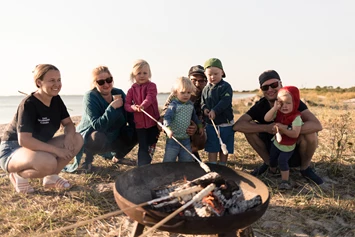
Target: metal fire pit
134,187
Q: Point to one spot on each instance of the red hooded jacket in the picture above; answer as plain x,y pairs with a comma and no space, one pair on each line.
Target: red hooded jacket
287,119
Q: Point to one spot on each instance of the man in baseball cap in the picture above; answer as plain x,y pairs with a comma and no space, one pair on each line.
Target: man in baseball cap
259,132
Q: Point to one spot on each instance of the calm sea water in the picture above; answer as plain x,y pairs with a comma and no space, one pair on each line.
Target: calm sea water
8,104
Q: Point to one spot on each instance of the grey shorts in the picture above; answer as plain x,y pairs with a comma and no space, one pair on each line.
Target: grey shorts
7,150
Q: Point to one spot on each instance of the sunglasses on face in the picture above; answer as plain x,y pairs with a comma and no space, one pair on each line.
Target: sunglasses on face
102,81
272,85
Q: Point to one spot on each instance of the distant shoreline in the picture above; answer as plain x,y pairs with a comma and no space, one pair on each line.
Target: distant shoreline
76,119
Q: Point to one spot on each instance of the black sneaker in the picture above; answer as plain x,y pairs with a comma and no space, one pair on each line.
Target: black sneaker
309,174
260,170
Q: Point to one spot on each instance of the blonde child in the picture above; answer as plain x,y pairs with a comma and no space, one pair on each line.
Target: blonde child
216,104
143,96
177,119
288,126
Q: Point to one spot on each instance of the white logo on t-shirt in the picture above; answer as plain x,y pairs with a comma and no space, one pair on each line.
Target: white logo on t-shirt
44,120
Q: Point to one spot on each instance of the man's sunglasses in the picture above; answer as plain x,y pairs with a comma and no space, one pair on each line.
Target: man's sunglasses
272,85
102,81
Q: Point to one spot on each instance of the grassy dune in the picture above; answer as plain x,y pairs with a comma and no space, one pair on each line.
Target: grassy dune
307,210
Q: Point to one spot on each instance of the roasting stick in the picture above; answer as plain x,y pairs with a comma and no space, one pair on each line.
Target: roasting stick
223,146
203,165
203,193
174,194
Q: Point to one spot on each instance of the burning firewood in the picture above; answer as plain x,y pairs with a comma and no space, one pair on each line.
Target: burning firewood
226,198
203,181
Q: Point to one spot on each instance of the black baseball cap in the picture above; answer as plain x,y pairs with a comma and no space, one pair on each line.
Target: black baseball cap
197,70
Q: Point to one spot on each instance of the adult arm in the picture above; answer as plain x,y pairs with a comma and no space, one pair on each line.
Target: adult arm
69,133
245,125
310,123
102,119
26,140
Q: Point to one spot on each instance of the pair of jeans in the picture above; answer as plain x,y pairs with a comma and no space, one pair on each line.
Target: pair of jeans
279,157
173,150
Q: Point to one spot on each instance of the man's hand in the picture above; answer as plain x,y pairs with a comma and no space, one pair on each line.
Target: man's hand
191,130
270,128
69,141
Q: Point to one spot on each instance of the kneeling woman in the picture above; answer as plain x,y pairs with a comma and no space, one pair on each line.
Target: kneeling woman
28,148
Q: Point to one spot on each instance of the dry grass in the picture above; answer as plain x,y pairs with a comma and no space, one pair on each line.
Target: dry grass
307,210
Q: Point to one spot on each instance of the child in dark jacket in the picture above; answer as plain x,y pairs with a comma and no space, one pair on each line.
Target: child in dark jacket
216,103
143,95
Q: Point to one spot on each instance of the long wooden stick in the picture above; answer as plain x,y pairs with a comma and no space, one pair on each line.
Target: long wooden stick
174,194
203,165
196,198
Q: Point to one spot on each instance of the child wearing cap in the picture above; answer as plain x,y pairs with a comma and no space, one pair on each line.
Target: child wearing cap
216,104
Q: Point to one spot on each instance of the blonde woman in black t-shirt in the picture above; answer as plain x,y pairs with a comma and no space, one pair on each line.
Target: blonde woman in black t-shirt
28,148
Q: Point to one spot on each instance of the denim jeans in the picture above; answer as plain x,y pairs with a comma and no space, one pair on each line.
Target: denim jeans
173,150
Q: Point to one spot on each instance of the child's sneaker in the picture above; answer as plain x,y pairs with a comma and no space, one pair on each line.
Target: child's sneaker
285,185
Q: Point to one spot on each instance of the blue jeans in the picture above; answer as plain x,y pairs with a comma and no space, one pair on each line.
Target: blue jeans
173,150
279,157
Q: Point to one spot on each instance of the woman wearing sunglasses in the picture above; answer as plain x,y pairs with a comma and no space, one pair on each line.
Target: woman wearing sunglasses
260,133
28,147
104,121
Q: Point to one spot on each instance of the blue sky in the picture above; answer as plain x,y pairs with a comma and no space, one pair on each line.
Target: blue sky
309,43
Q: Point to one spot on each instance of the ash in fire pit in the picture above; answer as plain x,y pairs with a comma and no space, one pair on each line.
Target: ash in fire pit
226,199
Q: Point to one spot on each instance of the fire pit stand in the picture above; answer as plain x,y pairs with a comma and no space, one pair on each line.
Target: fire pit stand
134,187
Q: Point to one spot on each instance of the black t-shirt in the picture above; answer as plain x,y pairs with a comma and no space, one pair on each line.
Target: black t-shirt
34,117
257,112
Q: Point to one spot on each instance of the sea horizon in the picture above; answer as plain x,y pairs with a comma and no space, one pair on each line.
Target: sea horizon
9,104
